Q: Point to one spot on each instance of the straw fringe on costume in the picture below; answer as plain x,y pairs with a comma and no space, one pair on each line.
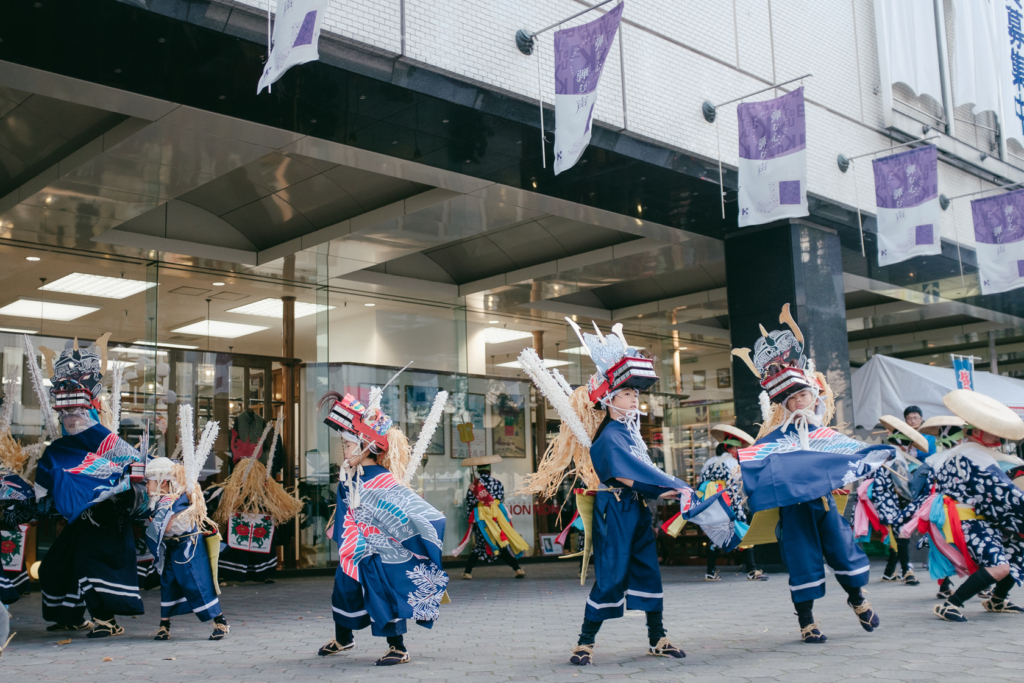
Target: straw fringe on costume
251,490
565,455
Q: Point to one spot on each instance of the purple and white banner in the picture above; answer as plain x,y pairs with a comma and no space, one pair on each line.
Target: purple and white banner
296,35
907,199
999,241
773,159
580,54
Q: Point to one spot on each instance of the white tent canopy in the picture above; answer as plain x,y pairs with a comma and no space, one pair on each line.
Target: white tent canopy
885,386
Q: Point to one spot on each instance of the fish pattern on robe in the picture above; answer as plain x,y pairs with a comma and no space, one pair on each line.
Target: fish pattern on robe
84,469
405,531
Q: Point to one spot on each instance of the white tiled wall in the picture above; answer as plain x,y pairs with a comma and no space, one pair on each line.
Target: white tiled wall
678,53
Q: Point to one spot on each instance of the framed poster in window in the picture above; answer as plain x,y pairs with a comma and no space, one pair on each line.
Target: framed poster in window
418,401
508,438
469,434
700,380
724,378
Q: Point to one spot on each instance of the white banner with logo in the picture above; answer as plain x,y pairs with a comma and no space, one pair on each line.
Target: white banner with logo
296,35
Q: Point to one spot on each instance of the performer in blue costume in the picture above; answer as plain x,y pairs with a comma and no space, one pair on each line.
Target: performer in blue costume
177,534
601,436
389,538
88,474
794,466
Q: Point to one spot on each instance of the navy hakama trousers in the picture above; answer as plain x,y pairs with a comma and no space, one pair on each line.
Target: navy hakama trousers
625,558
809,535
90,566
186,585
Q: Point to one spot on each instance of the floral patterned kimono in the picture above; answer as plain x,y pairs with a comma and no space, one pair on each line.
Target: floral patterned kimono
390,556
975,516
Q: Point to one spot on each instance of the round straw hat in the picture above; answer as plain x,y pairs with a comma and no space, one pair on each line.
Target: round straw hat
480,460
985,413
933,425
895,424
722,432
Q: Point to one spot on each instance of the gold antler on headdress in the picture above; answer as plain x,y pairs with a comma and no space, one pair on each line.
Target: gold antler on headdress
764,332
101,344
787,317
48,362
744,355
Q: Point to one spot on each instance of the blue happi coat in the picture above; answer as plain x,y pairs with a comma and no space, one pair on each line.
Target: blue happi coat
778,471
84,469
186,578
390,556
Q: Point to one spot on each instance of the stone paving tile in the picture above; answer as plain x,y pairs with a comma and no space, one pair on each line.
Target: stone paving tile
498,629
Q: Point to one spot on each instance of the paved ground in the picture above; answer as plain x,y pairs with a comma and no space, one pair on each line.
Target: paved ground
499,629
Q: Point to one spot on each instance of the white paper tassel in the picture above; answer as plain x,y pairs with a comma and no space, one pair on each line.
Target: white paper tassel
766,406
37,384
8,412
186,434
550,389
562,382
116,378
426,434
810,367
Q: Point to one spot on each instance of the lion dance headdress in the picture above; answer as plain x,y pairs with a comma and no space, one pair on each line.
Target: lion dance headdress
782,368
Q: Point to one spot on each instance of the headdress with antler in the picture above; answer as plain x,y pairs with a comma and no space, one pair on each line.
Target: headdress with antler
783,369
779,361
77,374
619,365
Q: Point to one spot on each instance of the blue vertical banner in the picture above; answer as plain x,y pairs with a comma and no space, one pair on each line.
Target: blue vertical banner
963,367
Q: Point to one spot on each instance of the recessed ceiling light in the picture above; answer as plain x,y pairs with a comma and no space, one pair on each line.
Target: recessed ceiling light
274,308
97,285
31,258
369,305
220,329
492,322
217,284
46,310
548,363
500,335
17,330
140,342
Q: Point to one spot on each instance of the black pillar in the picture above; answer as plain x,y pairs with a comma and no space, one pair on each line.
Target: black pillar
798,263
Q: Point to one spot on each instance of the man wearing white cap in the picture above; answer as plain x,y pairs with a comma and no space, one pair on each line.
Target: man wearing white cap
984,508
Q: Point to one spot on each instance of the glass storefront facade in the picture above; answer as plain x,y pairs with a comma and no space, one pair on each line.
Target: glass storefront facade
214,340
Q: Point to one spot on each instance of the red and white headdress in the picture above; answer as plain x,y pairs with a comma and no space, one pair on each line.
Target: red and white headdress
619,365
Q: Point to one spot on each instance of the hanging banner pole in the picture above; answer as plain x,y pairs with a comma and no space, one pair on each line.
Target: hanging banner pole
709,110
524,38
844,161
944,200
